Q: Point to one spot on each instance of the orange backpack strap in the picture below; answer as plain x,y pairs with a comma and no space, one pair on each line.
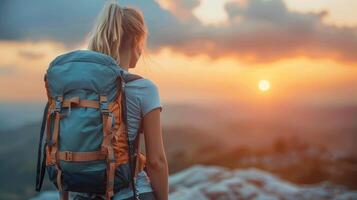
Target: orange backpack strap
77,102
70,156
107,145
52,140
55,146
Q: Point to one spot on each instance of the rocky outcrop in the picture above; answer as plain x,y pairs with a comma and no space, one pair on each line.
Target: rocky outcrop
218,183
203,183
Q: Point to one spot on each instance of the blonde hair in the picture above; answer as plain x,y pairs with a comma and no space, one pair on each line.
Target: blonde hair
116,29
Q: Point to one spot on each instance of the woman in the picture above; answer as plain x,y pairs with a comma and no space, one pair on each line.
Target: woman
120,32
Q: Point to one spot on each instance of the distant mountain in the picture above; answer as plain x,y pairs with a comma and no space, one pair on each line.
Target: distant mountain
18,154
14,115
217,183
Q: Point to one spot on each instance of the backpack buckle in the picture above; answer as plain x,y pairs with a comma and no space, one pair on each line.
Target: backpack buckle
58,104
103,102
68,156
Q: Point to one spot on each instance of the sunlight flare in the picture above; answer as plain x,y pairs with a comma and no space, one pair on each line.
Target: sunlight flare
264,85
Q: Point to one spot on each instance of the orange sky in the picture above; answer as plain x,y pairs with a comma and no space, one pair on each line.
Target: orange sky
197,78
341,12
182,78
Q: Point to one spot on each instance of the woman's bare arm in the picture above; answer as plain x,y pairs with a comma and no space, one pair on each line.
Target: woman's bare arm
156,159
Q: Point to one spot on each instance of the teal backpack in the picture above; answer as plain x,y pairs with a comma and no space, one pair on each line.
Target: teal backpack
84,144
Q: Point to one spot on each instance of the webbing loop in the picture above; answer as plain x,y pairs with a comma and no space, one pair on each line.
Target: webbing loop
104,106
58,104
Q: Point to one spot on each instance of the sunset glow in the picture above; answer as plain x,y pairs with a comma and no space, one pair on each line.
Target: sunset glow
264,85
227,85
214,52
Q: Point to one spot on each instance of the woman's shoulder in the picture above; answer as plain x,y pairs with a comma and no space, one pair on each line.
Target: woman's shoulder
143,84
147,94
142,88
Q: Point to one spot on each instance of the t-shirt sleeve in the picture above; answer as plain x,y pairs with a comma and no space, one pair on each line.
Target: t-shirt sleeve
150,98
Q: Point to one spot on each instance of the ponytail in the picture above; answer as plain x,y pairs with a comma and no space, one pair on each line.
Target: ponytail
116,29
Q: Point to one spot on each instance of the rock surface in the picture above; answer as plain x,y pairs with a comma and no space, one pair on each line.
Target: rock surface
203,183
218,183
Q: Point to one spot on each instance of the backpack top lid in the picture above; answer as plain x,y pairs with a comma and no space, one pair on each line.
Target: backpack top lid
84,55
83,73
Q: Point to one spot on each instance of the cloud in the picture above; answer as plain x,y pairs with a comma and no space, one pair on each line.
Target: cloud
266,31
69,21
29,54
65,21
258,31
7,70
180,8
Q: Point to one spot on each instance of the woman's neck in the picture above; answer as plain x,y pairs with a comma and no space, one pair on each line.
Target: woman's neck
125,60
124,66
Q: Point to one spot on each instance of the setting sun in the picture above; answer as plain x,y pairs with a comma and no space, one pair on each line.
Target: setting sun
264,85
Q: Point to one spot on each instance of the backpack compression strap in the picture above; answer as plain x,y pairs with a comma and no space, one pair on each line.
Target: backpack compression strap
132,163
53,144
108,135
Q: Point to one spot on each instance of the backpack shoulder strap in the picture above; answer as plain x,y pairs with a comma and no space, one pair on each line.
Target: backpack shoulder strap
131,146
131,77
127,79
